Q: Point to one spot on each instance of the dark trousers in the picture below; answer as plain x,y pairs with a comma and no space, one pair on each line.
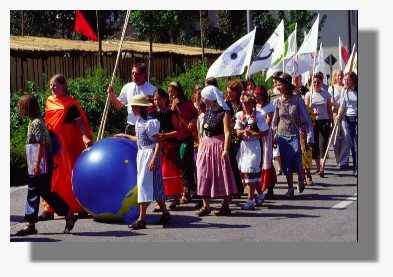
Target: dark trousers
351,124
187,163
321,137
41,186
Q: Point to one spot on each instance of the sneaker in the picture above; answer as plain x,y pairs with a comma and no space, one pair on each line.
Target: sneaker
290,193
137,225
300,186
26,231
259,200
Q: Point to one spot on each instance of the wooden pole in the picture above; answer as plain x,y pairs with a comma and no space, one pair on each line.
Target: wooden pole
105,112
99,40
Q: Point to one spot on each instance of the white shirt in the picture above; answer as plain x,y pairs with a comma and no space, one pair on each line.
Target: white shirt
131,89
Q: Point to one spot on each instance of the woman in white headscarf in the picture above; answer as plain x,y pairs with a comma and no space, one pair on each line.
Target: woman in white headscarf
214,173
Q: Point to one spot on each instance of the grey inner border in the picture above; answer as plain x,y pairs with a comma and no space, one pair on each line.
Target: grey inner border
366,249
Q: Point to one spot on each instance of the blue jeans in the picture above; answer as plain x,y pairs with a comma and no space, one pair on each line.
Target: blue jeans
351,124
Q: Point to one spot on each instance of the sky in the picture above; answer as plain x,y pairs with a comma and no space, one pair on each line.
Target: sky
373,18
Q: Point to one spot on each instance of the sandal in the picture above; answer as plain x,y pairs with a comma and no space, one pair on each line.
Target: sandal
174,204
321,174
185,199
223,211
202,212
70,226
164,219
46,216
309,182
300,186
27,230
157,209
138,225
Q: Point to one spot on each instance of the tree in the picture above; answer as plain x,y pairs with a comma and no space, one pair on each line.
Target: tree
53,23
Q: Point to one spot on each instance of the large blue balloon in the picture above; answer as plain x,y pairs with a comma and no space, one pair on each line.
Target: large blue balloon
104,180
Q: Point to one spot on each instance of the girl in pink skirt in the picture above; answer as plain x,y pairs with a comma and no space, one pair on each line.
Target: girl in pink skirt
214,173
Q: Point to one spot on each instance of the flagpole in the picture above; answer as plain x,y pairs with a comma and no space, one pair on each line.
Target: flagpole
105,112
99,40
335,124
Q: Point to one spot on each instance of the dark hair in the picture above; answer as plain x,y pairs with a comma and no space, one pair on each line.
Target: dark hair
142,67
277,74
201,106
163,94
28,106
319,76
143,111
235,85
251,81
62,80
211,81
263,94
180,92
354,78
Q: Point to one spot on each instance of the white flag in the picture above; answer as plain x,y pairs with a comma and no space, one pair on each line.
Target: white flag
284,63
234,59
310,42
302,63
320,64
273,49
355,63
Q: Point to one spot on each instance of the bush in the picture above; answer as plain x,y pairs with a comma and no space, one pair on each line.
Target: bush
90,93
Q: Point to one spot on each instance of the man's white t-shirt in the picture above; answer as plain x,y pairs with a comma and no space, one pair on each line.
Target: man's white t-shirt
131,89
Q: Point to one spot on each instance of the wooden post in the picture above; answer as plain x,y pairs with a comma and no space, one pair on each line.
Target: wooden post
99,41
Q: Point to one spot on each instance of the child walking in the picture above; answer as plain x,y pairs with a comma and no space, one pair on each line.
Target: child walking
149,174
40,165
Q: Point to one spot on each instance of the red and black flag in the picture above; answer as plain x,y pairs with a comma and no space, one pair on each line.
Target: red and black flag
86,24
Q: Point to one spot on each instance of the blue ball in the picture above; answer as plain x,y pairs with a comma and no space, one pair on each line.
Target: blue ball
104,180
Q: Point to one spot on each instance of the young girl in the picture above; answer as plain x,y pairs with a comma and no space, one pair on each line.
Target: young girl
149,179
251,126
41,170
170,148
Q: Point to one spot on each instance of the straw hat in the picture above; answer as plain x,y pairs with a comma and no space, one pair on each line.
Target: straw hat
139,100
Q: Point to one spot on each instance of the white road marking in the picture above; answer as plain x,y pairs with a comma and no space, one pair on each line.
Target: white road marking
346,202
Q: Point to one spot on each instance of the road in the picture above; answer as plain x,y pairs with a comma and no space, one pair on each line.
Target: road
326,212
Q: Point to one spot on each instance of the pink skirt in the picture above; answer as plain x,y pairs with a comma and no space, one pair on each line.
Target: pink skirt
214,175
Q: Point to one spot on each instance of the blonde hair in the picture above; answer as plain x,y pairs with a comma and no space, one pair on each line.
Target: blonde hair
335,73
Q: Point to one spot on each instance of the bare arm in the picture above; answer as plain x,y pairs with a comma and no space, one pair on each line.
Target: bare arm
116,103
82,128
153,163
269,118
40,153
227,133
122,135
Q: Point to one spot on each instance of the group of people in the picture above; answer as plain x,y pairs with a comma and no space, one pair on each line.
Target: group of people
212,146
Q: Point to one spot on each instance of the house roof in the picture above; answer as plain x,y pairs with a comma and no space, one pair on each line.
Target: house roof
28,43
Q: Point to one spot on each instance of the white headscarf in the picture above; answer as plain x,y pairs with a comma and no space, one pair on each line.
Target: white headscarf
212,93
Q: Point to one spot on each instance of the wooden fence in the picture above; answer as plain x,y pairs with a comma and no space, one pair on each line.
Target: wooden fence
39,66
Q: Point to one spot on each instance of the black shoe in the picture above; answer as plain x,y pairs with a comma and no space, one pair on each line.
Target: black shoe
279,172
164,219
28,230
223,211
137,225
69,226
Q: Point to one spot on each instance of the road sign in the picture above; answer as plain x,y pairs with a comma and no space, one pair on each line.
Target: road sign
331,60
